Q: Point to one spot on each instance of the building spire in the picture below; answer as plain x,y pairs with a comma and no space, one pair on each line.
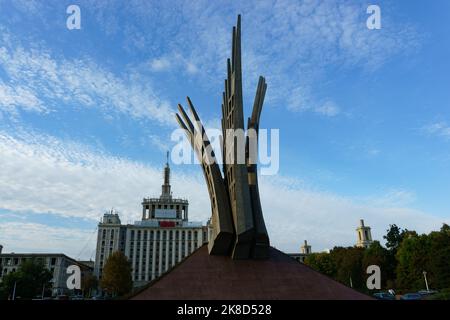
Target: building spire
166,186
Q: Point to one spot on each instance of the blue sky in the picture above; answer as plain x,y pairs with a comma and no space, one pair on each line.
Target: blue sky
86,115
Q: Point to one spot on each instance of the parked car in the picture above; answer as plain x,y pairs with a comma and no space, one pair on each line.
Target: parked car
62,297
427,292
384,296
411,296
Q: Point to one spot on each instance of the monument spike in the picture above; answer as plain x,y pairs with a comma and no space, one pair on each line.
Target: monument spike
186,119
182,124
236,221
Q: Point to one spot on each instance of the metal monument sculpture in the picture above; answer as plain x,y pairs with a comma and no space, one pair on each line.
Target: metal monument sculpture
237,221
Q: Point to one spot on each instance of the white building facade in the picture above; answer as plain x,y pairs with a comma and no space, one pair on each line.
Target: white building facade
57,263
155,244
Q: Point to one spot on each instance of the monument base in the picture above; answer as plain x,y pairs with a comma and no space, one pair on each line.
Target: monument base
206,277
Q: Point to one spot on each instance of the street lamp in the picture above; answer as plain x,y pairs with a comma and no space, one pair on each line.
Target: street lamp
14,291
425,277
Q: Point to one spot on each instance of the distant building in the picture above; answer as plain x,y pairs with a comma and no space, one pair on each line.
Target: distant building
364,235
305,250
162,238
57,263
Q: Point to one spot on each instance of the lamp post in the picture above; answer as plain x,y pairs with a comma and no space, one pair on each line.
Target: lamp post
43,291
14,291
425,277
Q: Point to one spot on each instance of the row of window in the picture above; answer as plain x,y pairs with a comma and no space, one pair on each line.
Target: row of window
112,233
166,206
17,261
4,272
163,234
141,269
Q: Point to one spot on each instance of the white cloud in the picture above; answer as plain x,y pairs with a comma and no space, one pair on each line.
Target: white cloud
25,237
191,68
19,97
329,109
38,76
160,64
440,129
292,43
44,174
174,61
301,100
327,220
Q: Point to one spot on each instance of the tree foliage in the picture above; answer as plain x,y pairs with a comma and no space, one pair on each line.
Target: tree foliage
402,262
429,253
322,262
30,279
379,256
116,276
89,282
349,265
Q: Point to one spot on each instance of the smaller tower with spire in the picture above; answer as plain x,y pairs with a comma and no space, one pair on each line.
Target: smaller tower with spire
166,193
305,248
165,209
364,235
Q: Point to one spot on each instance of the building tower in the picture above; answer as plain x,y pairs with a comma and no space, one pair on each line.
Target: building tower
166,193
364,235
161,239
165,206
110,238
305,248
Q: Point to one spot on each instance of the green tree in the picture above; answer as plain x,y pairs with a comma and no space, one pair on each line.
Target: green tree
322,262
348,262
413,258
394,236
116,276
438,270
377,255
30,279
89,283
